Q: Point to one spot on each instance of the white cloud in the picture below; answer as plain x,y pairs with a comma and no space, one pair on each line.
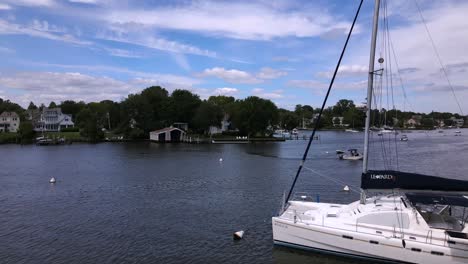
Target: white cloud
181,60
276,94
323,86
5,7
83,1
231,76
231,19
238,76
346,71
40,30
150,77
269,73
225,91
6,50
284,59
146,39
122,53
309,84
42,87
31,3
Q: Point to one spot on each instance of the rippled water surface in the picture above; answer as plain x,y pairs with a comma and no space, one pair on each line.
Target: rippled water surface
177,203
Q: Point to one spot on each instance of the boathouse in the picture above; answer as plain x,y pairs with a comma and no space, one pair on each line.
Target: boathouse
168,134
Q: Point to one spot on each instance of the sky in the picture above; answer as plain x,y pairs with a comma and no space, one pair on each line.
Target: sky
282,50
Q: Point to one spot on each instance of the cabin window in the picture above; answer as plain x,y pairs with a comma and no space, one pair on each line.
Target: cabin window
374,242
391,219
412,238
437,253
416,249
378,232
347,237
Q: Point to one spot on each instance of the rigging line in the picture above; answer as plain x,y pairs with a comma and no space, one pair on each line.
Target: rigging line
438,57
410,105
317,122
391,82
333,180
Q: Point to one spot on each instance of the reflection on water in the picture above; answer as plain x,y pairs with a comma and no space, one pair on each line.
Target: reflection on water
164,203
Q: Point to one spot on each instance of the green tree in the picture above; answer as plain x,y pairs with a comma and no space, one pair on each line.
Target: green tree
32,106
342,106
88,124
71,107
183,105
288,120
253,115
26,132
52,105
207,114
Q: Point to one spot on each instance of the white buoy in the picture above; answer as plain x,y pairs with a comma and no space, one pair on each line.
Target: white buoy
220,159
346,188
326,152
238,235
52,180
303,197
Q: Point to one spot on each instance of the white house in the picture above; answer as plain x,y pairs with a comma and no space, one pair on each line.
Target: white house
224,126
338,121
168,134
52,119
9,122
459,122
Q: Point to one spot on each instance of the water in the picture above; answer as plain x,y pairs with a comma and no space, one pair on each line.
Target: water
176,203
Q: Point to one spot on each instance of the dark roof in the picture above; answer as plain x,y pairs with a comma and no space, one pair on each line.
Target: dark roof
167,129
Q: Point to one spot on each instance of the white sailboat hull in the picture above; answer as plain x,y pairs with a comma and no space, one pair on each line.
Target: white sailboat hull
313,231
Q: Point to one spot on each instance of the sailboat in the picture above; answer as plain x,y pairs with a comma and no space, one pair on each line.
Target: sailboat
412,223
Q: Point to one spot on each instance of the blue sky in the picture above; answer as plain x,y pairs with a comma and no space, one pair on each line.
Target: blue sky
281,50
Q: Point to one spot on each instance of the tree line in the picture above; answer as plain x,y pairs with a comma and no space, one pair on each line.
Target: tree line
155,108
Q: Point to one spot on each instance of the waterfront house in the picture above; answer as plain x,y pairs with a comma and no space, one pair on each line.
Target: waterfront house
338,121
413,122
49,119
168,134
224,126
459,122
9,122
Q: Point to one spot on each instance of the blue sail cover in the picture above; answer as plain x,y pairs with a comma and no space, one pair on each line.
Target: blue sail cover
388,179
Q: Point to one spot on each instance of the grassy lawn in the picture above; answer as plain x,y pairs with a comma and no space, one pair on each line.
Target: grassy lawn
8,137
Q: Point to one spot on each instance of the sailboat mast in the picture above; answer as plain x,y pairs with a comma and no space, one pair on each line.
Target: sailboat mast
370,82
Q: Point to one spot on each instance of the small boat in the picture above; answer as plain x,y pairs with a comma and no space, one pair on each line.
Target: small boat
352,130
339,151
353,155
294,131
280,133
458,132
44,141
404,138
